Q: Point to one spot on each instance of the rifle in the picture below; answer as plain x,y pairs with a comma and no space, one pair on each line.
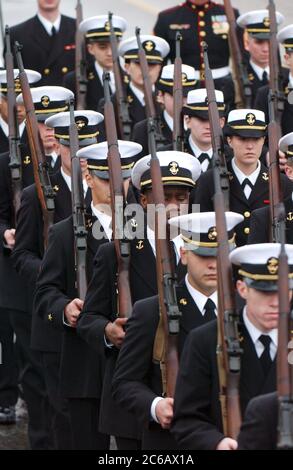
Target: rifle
118,203
14,139
219,160
275,72
228,349
124,121
78,208
165,348
275,191
148,95
242,83
42,180
80,61
284,368
178,143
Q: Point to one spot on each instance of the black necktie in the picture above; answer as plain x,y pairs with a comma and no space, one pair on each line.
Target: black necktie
203,157
209,309
265,358
265,78
53,31
49,161
246,182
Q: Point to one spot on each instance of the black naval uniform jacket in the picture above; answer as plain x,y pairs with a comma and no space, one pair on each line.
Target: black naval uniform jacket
260,229
95,90
4,143
100,308
137,380
81,367
259,426
197,422
51,57
259,197
255,83
140,134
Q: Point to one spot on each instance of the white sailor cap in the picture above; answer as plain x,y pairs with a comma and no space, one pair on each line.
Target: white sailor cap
97,157
246,123
97,28
166,81
87,122
177,168
285,37
49,100
197,103
286,145
257,23
156,48
32,77
199,233
259,264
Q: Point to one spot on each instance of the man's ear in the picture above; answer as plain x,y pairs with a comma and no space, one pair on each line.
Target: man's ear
183,256
242,289
143,200
89,179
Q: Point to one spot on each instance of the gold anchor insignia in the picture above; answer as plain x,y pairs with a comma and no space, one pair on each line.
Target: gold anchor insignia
173,168
45,101
149,46
139,245
56,188
212,233
126,79
290,216
133,223
129,99
241,338
273,265
50,317
107,26
81,122
27,160
17,84
91,76
250,77
184,77
265,176
183,301
250,119
266,22
231,177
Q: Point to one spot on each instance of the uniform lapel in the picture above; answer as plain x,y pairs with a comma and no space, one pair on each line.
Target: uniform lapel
63,205
143,263
260,191
40,36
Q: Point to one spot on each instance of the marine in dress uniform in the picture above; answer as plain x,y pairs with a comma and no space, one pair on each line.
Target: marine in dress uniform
249,179
200,21
164,88
285,38
96,31
48,47
197,422
137,382
29,250
98,323
256,24
81,367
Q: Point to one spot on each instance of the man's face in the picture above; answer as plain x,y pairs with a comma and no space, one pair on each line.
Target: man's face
102,53
288,57
134,71
246,150
262,307
101,192
4,110
48,5
258,50
47,136
200,129
202,271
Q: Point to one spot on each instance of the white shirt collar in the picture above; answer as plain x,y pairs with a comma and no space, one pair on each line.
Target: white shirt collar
200,299
290,81
5,127
138,93
196,150
168,119
104,219
241,176
48,24
178,243
255,333
100,72
259,70
67,180
54,156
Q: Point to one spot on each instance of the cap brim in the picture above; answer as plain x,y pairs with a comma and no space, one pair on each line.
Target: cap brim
265,286
246,133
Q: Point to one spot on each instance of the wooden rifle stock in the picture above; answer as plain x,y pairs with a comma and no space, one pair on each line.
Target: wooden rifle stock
167,343
80,61
42,180
13,137
118,203
178,141
243,85
124,121
78,208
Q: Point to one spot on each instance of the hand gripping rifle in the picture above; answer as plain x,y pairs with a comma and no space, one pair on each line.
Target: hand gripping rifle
80,61
42,180
228,349
13,137
78,208
118,203
165,349
124,121
178,140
